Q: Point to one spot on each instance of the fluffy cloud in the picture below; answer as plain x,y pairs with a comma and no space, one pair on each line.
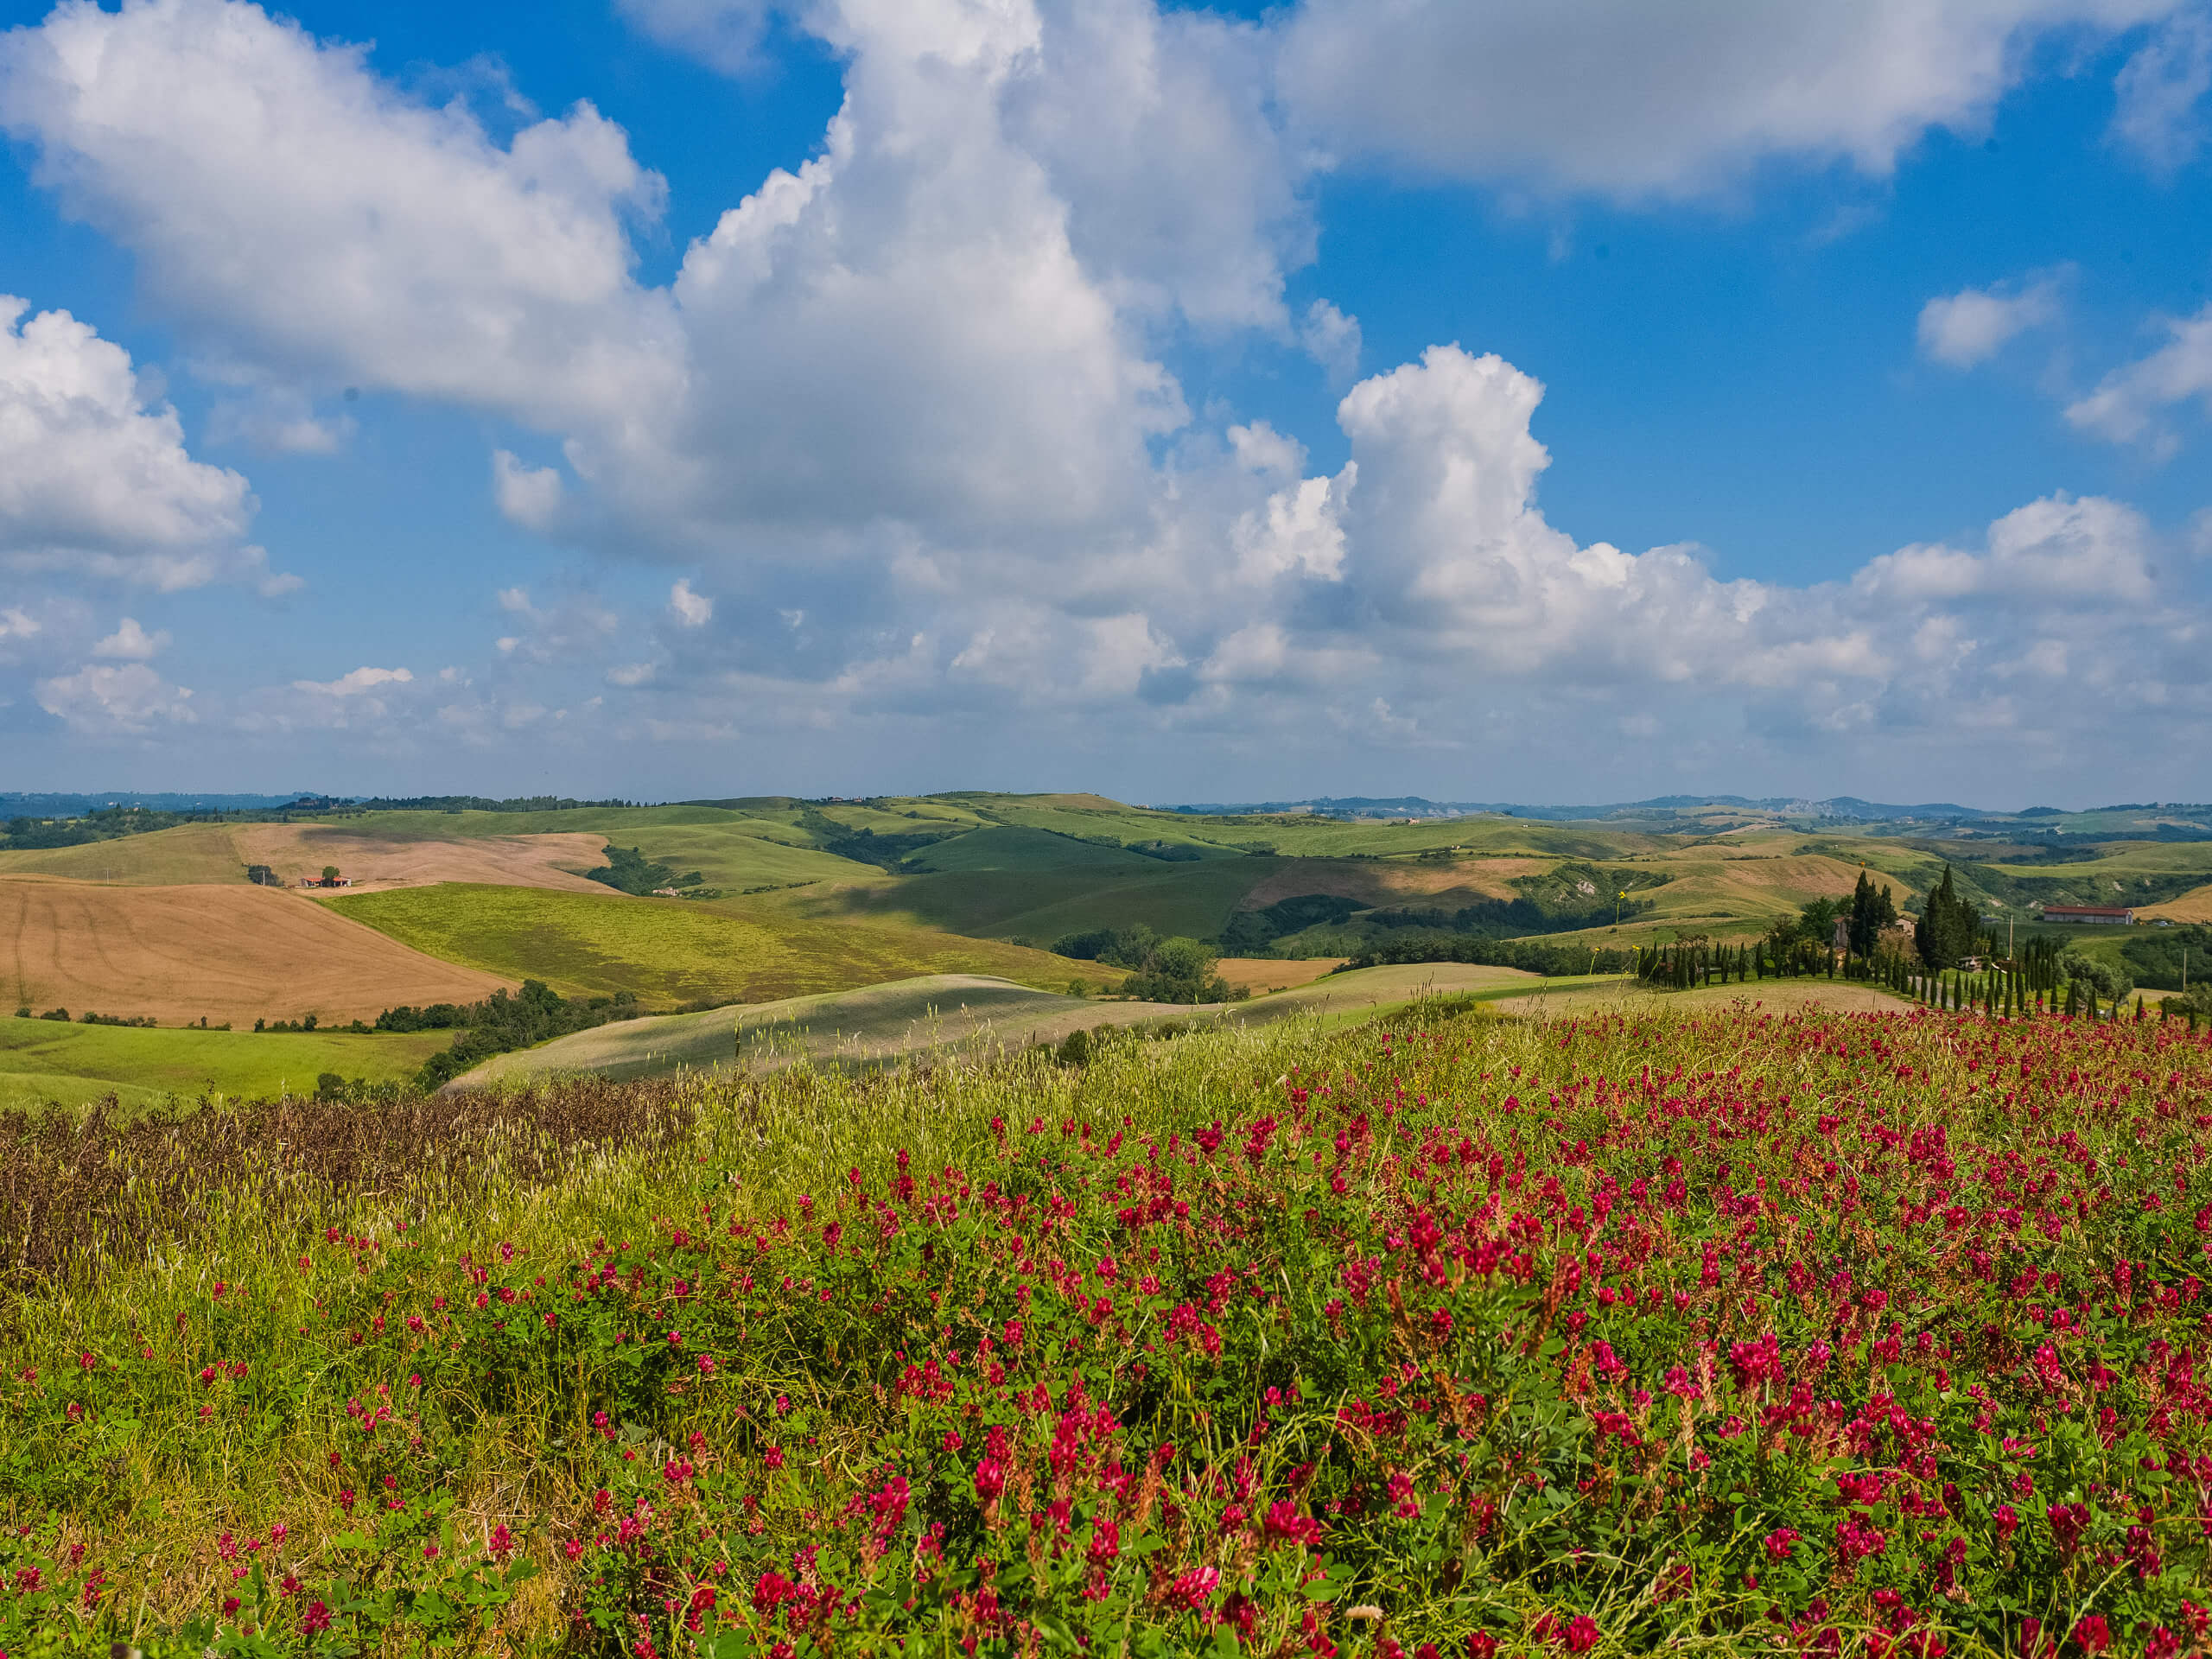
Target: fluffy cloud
1972,326
317,227
2159,114
690,610
1628,98
903,330
1332,340
531,495
93,481
359,682
132,643
2127,405
99,701
726,34
904,410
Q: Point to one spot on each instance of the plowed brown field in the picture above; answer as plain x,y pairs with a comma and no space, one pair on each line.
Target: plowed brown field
236,953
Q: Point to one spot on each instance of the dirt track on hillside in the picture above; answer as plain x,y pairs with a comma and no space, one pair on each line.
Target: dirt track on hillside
376,862
236,953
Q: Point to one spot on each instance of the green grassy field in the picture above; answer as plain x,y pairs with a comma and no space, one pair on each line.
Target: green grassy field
190,855
45,1060
878,1023
1194,900
971,1014
671,950
1008,846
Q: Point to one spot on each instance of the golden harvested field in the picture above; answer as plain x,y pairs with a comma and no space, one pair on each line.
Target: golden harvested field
380,861
2195,905
1260,975
236,953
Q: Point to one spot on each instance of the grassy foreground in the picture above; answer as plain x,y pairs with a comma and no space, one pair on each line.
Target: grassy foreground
1462,1334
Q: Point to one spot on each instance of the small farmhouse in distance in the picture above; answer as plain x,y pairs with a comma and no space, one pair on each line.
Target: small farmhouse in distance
2098,915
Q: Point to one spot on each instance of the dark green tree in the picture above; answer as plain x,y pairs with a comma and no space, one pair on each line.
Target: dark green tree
1946,929
1872,909
1178,971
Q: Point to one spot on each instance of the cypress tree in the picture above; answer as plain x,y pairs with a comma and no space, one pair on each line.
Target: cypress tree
1946,929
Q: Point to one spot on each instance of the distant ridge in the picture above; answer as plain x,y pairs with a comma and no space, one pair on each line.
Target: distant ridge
17,804
1847,808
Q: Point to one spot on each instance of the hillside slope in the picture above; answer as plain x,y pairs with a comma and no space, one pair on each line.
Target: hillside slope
668,951
227,953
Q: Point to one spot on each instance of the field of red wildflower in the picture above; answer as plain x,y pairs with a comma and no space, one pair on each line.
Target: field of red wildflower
1461,1336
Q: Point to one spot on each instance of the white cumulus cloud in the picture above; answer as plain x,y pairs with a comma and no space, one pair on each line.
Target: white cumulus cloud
101,700
133,642
93,481
1631,99
2127,404
690,610
358,683
2160,114
314,225
1972,326
531,495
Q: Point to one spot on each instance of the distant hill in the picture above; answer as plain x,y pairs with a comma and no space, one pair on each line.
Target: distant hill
1842,807
16,804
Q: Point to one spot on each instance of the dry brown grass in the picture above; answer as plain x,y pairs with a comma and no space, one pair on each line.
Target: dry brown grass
228,953
2195,905
73,1190
374,861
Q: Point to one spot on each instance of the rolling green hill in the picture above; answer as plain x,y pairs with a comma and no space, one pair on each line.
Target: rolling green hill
958,1012
1192,898
1008,848
670,950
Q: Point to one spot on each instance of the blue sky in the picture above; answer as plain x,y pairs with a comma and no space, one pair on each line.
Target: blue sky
666,398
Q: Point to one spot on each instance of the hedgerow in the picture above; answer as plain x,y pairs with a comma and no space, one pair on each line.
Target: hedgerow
1728,1332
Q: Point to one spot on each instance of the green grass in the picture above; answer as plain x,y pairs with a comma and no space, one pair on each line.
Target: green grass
43,1059
672,950
964,1013
877,1023
1193,899
732,850
1007,847
189,855
1304,837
